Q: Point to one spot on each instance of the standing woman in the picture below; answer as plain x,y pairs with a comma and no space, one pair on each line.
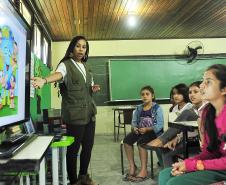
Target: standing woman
78,109
210,165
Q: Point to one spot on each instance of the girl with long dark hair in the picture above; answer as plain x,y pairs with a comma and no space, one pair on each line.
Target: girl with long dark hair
210,165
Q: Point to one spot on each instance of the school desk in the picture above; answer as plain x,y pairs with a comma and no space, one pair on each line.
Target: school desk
185,127
29,160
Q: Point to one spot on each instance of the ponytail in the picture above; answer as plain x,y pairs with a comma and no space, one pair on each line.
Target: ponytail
211,128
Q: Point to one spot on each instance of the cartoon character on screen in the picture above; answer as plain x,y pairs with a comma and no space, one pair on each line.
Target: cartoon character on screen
14,58
6,85
0,37
7,49
11,91
15,50
1,79
1,75
3,92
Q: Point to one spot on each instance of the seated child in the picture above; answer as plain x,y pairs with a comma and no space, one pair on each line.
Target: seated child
171,138
210,165
147,124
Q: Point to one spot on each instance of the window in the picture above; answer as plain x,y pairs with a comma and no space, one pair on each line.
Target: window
37,41
25,12
45,51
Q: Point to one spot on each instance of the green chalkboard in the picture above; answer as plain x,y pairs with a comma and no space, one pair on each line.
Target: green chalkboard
99,67
126,77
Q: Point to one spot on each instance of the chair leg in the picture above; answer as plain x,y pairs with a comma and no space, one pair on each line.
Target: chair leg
152,170
114,126
122,164
119,122
124,129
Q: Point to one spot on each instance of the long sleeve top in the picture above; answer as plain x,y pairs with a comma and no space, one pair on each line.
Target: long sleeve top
212,160
157,114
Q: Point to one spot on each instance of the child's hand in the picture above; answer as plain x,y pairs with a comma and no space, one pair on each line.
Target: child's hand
136,130
178,168
171,144
143,130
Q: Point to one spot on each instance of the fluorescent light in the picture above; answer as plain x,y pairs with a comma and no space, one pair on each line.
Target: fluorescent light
132,20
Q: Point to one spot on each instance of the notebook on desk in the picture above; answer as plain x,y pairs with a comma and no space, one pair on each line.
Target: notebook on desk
187,123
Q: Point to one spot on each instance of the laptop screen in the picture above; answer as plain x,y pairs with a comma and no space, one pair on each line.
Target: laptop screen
29,127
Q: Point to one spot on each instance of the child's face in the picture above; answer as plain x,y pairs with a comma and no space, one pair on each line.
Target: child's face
177,98
195,95
80,49
146,96
210,87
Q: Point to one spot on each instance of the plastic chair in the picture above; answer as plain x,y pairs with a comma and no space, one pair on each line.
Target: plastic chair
124,117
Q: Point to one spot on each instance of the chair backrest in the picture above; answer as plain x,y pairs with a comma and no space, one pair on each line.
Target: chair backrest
128,115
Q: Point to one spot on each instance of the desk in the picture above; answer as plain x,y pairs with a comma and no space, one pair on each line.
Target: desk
56,146
185,127
30,159
127,112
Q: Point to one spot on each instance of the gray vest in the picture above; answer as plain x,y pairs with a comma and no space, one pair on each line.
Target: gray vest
77,105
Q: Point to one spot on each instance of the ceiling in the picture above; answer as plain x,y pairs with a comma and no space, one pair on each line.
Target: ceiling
156,19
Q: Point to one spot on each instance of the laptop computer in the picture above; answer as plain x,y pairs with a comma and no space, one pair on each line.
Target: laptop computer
29,127
14,144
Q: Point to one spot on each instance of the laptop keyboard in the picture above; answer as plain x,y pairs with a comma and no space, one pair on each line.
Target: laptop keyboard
16,138
8,150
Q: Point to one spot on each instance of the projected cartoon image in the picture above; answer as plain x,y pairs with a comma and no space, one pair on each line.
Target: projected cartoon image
8,72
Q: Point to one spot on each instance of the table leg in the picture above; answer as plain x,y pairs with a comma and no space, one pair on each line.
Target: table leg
185,143
64,165
55,176
27,180
21,180
42,177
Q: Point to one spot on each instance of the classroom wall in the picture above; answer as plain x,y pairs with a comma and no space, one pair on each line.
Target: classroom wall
131,48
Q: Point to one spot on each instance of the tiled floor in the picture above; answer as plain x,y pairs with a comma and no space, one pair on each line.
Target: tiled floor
105,167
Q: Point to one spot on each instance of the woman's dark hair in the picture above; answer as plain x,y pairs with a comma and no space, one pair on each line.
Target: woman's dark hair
171,100
150,89
196,84
71,47
67,56
219,70
183,90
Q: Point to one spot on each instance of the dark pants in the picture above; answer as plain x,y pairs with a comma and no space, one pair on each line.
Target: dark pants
132,138
84,135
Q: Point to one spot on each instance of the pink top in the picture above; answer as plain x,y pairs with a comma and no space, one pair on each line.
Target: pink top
212,160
